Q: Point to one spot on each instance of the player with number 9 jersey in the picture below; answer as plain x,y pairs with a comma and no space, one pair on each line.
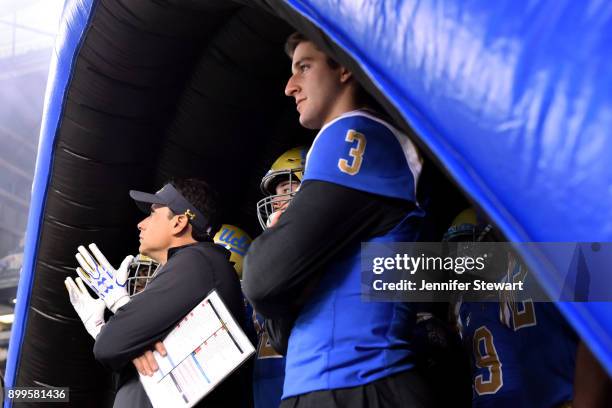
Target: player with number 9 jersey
496,363
523,352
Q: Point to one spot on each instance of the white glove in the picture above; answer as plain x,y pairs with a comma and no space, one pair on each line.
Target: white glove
90,310
100,276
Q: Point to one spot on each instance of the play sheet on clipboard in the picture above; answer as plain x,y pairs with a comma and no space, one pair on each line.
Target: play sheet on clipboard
204,348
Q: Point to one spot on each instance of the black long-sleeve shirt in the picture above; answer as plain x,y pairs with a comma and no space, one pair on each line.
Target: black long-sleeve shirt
190,273
323,218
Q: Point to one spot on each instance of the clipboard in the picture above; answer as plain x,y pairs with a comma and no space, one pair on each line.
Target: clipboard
204,348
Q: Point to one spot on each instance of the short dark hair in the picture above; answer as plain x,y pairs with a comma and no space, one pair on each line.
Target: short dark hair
296,38
204,198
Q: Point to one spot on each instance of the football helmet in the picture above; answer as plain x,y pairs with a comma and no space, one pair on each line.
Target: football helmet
289,167
466,231
236,241
463,227
465,237
140,272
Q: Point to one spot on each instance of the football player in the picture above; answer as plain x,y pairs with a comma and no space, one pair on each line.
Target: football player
280,184
491,345
523,352
359,185
140,272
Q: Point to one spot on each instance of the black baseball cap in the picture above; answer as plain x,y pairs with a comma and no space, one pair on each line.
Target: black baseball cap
170,197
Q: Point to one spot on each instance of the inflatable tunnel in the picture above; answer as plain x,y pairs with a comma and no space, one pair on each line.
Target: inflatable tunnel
510,100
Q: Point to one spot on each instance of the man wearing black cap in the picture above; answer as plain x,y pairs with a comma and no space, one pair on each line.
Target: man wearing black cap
176,233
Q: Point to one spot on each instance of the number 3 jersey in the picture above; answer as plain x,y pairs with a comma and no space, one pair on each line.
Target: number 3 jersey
361,151
339,341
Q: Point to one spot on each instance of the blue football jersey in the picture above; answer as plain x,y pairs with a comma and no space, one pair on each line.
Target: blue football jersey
547,345
497,379
339,341
361,151
523,352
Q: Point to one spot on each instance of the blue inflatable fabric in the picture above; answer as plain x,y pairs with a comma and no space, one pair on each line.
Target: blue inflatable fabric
513,99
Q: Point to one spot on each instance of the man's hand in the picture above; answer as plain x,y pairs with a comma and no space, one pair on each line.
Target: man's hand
273,218
90,310
102,278
146,364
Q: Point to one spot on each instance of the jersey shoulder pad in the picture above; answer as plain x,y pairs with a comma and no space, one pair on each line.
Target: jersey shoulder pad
363,152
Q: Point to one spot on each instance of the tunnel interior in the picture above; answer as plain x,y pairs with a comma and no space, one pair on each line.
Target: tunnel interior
160,90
